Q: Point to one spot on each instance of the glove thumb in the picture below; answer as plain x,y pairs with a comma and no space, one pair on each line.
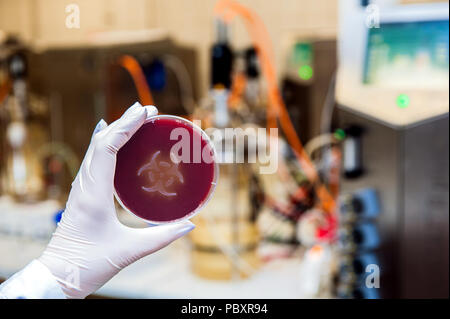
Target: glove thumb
151,239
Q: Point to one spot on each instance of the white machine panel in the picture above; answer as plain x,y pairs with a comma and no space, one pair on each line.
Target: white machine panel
394,61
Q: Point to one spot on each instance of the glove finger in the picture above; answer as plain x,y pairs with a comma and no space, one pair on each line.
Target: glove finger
102,165
151,110
119,132
101,125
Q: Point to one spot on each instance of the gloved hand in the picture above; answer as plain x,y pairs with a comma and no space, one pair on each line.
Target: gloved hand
90,245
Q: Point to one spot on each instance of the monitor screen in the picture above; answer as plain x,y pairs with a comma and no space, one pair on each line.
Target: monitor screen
408,55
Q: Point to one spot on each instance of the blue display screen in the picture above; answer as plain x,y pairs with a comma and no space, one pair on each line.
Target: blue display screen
408,54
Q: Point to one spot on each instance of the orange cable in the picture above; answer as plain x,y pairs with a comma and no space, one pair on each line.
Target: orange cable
130,64
237,89
4,90
227,9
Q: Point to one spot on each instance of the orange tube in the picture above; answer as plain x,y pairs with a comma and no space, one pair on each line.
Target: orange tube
237,90
134,69
4,90
227,10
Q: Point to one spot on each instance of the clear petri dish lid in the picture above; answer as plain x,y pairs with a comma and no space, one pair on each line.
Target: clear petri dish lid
129,205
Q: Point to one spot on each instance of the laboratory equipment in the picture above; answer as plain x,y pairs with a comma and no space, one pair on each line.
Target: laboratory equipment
23,123
59,73
308,73
382,88
167,171
224,245
221,68
398,71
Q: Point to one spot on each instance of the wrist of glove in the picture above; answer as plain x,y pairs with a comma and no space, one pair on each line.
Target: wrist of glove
90,245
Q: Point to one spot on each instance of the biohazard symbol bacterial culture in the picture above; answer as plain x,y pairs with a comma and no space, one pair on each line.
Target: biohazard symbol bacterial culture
161,174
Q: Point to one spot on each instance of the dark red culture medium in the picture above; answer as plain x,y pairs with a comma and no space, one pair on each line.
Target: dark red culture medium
151,185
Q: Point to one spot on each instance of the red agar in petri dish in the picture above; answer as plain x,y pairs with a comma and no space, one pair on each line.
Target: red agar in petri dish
163,180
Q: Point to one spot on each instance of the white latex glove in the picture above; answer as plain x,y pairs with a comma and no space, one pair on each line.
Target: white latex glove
90,245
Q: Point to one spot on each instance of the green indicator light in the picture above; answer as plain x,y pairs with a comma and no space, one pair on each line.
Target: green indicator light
305,72
339,134
403,101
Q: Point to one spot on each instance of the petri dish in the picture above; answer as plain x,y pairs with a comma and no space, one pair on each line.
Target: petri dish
167,171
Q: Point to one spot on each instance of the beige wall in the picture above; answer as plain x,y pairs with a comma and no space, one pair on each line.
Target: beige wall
189,22
17,17
192,22
45,19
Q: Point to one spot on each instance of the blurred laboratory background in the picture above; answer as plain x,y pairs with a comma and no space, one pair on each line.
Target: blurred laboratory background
358,89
